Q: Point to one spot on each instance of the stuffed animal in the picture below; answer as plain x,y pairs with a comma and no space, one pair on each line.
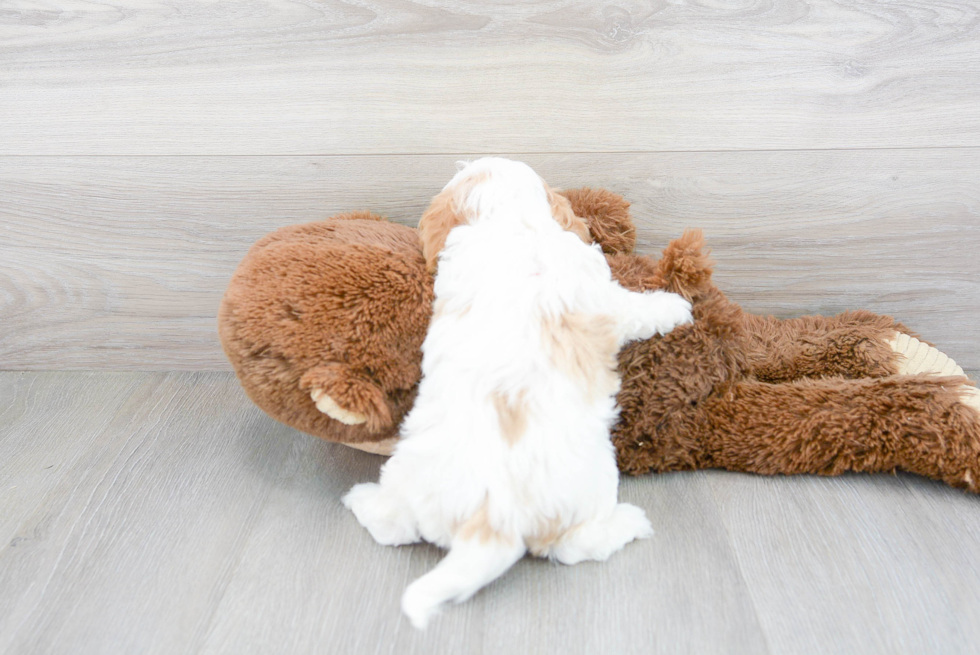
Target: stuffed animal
323,324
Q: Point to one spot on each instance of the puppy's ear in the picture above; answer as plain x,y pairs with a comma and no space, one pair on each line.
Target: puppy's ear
561,209
441,217
446,211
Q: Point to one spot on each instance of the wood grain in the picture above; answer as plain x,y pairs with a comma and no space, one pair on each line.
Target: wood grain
47,424
390,76
179,519
331,570
899,552
133,543
120,262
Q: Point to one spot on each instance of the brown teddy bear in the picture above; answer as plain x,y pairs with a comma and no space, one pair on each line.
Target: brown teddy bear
324,322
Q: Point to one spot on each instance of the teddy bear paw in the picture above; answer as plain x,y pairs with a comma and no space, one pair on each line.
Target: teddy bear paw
328,406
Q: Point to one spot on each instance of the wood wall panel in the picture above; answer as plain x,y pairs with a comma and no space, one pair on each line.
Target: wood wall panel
387,76
120,262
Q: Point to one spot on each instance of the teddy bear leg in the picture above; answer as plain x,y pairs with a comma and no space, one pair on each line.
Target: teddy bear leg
347,396
922,424
917,357
855,344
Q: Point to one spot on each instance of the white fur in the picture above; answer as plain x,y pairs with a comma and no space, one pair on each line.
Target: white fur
499,277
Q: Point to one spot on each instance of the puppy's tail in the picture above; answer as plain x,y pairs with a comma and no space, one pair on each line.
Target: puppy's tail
471,564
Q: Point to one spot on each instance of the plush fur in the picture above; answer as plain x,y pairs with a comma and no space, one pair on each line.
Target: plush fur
747,393
288,334
807,395
507,447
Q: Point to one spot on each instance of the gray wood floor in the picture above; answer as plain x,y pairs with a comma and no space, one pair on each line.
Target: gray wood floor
164,513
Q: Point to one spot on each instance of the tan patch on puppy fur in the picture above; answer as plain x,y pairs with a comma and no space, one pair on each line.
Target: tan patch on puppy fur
545,536
439,310
435,225
449,209
462,190
561,210
584,346
446,211
512,415
478,527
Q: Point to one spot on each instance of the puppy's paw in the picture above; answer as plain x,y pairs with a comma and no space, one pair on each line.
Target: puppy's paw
600,538
387,518
631,522
654,312
419,605
667,311
328,406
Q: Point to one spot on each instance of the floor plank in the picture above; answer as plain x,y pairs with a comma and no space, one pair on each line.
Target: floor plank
154,240
331,570
857,564
186,521
48,423
387,76
130,550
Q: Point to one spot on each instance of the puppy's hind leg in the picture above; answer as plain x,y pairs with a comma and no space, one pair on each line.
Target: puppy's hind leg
471,564
386,516
599,538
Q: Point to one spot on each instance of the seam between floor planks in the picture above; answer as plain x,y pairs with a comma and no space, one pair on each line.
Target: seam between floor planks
302,560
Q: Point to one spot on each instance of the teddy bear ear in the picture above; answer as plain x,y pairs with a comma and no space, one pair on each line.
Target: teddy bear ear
435,225
607,215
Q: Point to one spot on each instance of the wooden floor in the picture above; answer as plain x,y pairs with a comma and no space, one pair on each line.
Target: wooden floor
163,513
830,150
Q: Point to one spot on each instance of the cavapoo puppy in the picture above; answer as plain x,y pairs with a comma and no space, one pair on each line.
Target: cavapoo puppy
507,447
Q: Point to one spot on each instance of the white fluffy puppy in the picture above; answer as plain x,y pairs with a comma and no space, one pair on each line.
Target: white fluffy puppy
507,447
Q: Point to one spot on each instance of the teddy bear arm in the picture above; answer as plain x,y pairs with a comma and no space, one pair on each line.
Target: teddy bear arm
921,424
